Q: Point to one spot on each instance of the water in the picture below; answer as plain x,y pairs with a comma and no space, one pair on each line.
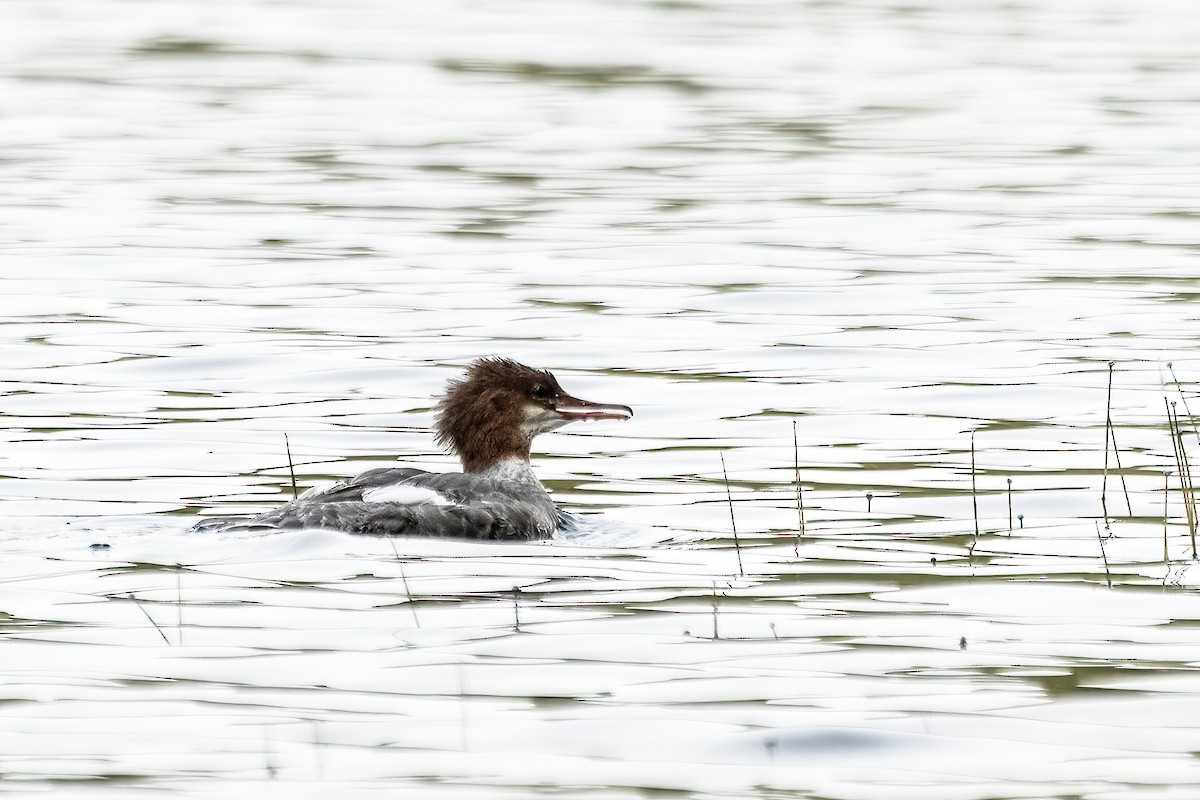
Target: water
889,224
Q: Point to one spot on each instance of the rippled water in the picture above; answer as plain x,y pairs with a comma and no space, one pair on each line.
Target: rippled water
890,224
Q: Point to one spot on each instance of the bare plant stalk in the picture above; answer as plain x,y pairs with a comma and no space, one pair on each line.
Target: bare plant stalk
291,467
1178,459
1183,397
1107,439
412,606
1121,471
799,490
1166,495
974,496
272,772
517,609
179,602
1179,430
716,630
1184,473
1112,434
318,745
737,545
1104,556
1189,497
141,608
1010,506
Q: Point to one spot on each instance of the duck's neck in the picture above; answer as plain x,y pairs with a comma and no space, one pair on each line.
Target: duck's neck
487,441
513,470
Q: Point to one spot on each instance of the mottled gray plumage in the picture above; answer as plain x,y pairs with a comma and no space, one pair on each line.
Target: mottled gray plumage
481,507
488,417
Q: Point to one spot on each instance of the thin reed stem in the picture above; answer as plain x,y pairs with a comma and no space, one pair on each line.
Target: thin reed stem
1104,556
412,606
268,764
1121,472
1179,430
179,602
737,545
716,630
1010,506
291,467
1107,438
1183,397
1110,434
974,496
799,490
1181,466
142,608
1189,496
318,748
1166,508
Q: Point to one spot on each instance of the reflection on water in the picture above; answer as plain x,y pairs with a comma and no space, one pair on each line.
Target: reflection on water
889,224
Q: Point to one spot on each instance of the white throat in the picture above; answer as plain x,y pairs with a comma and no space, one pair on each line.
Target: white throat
511,470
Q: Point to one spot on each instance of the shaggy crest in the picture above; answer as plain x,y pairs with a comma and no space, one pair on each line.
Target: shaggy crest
481,415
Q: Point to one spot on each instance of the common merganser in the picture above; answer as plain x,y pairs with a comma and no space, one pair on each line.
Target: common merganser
488,418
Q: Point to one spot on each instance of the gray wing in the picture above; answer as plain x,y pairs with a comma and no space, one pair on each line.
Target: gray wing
403,519
477,508
353,488
457,487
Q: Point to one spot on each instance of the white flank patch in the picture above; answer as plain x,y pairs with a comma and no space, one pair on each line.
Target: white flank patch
310,493
403,493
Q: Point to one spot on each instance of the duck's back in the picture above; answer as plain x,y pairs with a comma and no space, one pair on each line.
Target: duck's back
412,502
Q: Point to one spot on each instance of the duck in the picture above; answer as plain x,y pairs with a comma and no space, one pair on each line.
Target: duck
489,418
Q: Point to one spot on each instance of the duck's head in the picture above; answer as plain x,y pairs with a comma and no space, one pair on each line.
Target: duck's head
498,406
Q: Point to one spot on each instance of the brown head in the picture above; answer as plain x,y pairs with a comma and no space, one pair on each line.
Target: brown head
495,409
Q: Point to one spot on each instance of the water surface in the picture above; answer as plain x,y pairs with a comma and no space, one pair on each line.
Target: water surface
889,225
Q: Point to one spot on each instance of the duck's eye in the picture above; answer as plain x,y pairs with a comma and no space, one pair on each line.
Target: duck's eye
542,392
